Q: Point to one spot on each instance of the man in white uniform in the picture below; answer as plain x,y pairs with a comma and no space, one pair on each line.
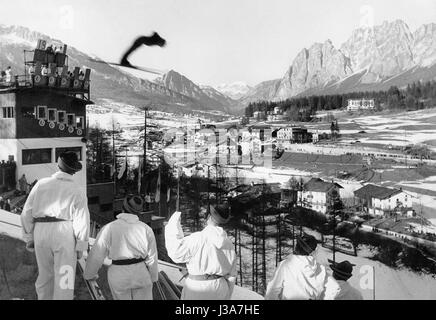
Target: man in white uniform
300,276
9,74
55,222
131,245
337,287
209,256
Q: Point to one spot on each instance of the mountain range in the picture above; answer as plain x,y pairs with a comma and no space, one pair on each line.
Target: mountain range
173,92
371,59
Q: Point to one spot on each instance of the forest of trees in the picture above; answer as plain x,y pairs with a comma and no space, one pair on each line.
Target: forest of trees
415,96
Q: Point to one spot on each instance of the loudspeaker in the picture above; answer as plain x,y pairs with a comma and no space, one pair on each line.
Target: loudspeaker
65,82
52,81
40,80
76,72
87,74
77,84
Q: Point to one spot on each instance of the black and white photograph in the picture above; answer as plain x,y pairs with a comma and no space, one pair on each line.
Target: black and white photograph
233,151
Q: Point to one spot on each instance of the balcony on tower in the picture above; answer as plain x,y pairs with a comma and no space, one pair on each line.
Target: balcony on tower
46,68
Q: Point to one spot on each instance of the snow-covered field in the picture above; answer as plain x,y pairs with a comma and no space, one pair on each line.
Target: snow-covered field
398,129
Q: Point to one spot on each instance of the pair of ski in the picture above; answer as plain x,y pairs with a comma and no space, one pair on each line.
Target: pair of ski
143,69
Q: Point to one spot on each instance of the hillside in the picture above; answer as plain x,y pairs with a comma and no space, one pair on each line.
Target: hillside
109,82
371,59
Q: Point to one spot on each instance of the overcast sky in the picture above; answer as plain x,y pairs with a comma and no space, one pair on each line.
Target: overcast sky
211,41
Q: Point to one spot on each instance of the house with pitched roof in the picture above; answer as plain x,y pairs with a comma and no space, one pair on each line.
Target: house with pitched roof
382,201
317,194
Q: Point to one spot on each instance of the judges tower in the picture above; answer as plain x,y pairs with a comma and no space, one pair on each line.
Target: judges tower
42,114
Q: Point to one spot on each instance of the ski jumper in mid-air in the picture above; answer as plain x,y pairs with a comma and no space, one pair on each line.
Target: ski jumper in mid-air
153,40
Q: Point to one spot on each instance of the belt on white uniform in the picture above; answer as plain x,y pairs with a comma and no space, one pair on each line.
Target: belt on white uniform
127,262
204,277
47,220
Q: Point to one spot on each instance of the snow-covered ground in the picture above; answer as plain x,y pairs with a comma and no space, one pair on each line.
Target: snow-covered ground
390,129
395,284
390,283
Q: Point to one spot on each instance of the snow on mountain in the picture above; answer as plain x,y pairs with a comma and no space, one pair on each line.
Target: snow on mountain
235,90
177,94
371,59
386,50
206,95
424,45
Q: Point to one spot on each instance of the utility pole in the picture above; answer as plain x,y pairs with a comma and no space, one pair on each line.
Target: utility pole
178,190
208,191
114,155
145,143
373,281
160,194
334,229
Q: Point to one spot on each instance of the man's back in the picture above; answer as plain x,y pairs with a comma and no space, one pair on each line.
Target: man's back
128,238
341,290
123,239
211,252
298,278
56,196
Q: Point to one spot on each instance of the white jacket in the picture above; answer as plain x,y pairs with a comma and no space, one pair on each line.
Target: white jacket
206,252
341,290
60,197
125,238
297,278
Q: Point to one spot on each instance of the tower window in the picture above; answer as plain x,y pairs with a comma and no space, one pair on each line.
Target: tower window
7,112
80,121
71,120
52,115
36,156
42,112
62,117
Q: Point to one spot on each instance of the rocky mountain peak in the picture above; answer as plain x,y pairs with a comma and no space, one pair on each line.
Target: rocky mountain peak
373,57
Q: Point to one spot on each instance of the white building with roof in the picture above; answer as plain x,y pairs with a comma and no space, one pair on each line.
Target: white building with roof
360,104
382,201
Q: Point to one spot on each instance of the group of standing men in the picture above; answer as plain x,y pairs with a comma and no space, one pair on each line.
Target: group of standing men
55,222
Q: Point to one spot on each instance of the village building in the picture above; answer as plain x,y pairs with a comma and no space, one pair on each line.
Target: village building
277,117
259,115
277,110
360,104
381,201
289,195
294,135
318,195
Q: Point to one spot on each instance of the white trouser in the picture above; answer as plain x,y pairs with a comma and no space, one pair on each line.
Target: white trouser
56,258
217,289
131,282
